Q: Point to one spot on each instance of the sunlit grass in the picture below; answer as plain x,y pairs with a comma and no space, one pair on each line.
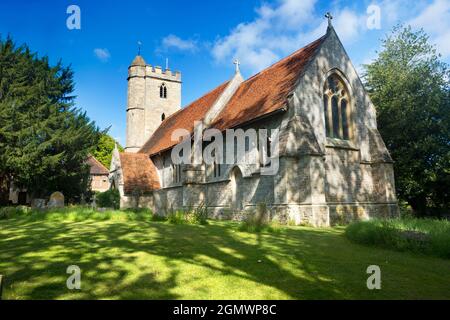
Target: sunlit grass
126,255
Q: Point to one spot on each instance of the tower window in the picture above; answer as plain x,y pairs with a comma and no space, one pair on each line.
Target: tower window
163,116
163,91
336,109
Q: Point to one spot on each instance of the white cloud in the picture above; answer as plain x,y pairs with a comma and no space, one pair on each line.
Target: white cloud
282,27
172,41
279,30
102,54
435,20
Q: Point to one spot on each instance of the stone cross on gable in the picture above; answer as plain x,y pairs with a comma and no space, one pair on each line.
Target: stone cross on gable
236,63
329,17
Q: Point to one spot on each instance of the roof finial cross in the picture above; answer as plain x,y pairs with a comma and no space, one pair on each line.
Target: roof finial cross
139,47
329,17
236,63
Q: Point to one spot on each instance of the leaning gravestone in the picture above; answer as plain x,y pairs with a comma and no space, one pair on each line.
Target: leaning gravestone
56,200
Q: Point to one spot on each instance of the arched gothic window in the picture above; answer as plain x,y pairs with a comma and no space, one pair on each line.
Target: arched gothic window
163,91
336,108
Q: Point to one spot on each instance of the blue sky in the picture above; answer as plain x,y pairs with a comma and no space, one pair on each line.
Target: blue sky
200,38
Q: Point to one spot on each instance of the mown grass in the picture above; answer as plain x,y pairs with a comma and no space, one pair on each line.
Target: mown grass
427,236
75,214
126,255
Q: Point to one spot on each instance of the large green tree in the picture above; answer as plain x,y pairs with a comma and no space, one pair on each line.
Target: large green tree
409,85
44,139
103,150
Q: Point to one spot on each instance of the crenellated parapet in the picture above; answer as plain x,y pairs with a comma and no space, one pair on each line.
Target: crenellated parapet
159,73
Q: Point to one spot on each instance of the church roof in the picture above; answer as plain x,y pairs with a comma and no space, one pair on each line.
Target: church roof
183,119
96,167
139,173
138,61
260,95
266,91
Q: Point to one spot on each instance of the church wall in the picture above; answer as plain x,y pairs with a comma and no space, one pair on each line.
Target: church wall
354,184
130,202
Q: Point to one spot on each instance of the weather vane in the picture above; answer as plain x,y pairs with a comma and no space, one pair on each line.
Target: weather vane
139,47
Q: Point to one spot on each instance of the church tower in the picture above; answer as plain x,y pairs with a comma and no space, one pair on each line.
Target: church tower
153,95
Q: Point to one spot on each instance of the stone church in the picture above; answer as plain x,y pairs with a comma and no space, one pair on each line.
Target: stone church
333,165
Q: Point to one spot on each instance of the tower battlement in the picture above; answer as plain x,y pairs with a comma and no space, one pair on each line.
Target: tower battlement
154,72
157,71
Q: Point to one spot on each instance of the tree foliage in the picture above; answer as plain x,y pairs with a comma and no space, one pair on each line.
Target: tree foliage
409,85
103,150
44,139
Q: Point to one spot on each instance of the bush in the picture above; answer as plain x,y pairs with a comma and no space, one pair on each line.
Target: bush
108,199
197,215
176,217
425,236
9,212
257,220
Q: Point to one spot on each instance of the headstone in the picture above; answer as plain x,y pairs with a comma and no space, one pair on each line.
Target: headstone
94,203
56,200
1,286
38,203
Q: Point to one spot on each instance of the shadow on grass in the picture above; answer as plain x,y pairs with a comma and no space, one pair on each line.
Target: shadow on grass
300,263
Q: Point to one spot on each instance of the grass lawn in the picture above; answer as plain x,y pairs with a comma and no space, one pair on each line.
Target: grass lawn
124,258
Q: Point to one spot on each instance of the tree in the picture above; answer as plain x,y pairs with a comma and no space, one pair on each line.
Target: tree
409,86
44,139
103,151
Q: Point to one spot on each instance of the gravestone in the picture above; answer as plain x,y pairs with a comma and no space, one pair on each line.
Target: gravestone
56,200
38,203
1,286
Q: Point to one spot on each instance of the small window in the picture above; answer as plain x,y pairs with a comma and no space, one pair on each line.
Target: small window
216,170
247,143
269,147
163,91
163,116
176,171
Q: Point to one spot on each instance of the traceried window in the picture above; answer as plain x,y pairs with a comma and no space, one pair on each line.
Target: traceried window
336,108
163,91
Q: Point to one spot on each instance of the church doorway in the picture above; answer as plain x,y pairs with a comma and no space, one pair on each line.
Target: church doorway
236,190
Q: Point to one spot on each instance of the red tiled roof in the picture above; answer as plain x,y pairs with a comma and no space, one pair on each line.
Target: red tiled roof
182,119
260,95
266,91
96,167
139,173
